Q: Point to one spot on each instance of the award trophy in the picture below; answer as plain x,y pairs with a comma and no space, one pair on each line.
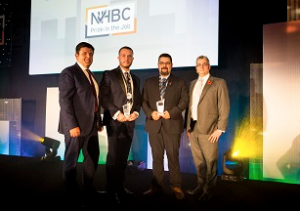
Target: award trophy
160,106
127,106
126,109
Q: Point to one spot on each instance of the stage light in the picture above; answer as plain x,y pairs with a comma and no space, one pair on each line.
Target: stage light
233,166
51,146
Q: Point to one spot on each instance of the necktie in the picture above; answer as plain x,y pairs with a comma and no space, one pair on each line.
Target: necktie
128,85
201,83
162,87
94,89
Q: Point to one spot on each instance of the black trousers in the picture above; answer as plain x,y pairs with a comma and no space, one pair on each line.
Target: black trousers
119,144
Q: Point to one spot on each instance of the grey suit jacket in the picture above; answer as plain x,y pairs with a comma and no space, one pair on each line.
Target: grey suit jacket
76,101
176,102
213,107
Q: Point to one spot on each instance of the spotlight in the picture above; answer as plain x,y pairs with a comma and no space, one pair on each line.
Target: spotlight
232,167
51,146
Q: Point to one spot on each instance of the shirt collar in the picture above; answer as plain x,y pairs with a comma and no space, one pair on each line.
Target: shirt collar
204,78
164,77
82,67
123,71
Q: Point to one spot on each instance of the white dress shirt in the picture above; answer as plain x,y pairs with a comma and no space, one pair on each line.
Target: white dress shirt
197,93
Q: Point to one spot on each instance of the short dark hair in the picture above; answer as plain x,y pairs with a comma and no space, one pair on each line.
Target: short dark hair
126,47
203,57
165,55
83,45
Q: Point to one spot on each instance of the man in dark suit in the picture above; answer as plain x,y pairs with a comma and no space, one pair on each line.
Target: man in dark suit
207,120
117,92
165,123
80,121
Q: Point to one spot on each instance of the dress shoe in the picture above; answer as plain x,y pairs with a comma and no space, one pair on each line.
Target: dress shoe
195,191
152,191
205,197
178,193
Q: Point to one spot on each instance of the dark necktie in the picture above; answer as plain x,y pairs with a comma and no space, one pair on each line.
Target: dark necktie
162,87
94,89
128,85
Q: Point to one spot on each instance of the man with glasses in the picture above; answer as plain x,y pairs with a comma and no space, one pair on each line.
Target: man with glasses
207,120
165,98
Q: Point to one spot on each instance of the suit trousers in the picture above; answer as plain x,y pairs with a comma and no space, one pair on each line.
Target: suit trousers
89,145
160,143
205,155
119,144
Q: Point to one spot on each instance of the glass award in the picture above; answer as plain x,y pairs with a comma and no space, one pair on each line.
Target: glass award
126,109
129,96
160,106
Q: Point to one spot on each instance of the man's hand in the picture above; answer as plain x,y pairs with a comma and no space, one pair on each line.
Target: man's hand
75,132
166,115
214,137
155,115
121,117
133,116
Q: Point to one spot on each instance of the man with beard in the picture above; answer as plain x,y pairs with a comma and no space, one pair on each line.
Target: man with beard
165,98
120,87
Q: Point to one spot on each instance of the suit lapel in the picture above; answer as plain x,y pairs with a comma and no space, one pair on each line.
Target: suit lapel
206,87
83,76
119,77
156,87
134,82
169,85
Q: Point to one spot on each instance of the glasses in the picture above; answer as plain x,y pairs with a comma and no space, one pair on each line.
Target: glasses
202,65
164,63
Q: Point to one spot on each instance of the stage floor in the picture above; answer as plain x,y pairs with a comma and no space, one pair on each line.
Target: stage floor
28,182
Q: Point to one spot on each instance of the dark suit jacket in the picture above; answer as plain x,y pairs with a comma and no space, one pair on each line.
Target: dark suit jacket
113,93
213,107
176,101
77,101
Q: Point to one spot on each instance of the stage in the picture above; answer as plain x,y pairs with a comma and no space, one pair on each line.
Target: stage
32,183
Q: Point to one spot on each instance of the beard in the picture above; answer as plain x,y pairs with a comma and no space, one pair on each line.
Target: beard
164,72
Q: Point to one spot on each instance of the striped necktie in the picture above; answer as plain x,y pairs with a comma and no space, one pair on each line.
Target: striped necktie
129,89
162,87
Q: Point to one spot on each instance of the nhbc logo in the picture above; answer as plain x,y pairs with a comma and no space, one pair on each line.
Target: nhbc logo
106,20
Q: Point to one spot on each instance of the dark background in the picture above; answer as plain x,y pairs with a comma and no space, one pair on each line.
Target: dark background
240,44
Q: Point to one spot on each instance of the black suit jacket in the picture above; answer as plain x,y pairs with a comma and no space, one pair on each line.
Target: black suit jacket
77,102
176,102
113,93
